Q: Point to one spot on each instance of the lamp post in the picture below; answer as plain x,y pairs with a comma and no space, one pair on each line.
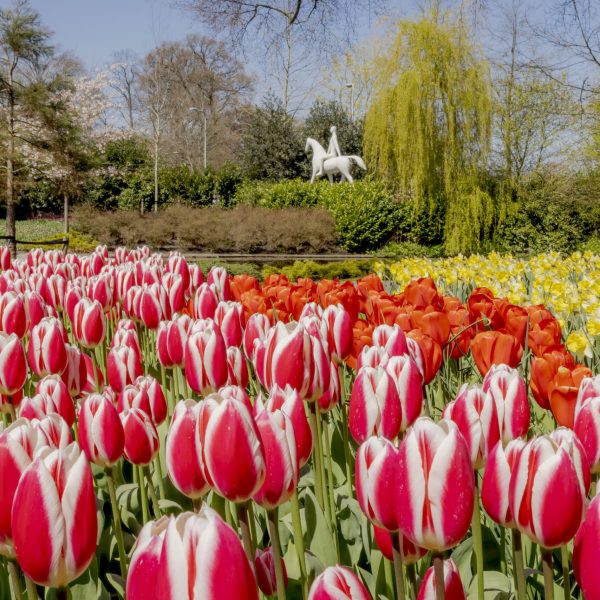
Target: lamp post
350,86
193,108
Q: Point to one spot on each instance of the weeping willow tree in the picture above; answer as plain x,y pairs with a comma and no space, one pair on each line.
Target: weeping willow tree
429,126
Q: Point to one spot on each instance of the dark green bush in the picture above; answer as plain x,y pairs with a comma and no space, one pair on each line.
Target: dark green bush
346,269
289,193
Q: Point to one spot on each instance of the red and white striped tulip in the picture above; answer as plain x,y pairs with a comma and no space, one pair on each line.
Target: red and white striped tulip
237,368
55,387
75,375
289,401
264,565
391,338
409,553
205,302
178,265
183,450
453,587
40,405
34,307
5,258
219,278
338,331
89,323
17,446
206,367
475,415
174,340
496,481
589,388
55,505
188,557
151,309
372,356
141,437
279,446
545,496
101,288
123,367
100,432
509,393
434,485
46,350
175,290
233,456
13,317
332,395
52,431
374,405
587,429
13,365
338,583
375,476
229,316
404,372
257,328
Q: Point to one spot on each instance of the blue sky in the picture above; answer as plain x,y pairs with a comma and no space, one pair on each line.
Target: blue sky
94,29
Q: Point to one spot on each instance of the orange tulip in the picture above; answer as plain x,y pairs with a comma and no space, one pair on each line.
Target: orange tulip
239,284
460,332
369,283
495,348
362,334
563,390
431,353
481,304
542,334
423,292
542,371
516,319
432,322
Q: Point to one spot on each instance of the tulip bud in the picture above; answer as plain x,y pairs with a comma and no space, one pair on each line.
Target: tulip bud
89,323
404,372
409,553
205,358
123,367
233,455
54,387
175,290
509,393
188,557
373,356
101,433
374,405
264,565
13,317
52,432
40,405
183,451
588,388
13,366
141,437
219,278
567,439
338,583
46,349
236,367
277,436
17,445
150,308
453,587
55,505
543,481
375,474
434,485
475,415
289,401
229,316
257,328
338,330
496,481
391,338
205,302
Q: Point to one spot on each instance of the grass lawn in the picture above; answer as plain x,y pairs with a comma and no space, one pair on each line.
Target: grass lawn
35,229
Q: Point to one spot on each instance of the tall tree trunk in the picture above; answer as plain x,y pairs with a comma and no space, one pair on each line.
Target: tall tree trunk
66,212
10,185
156,174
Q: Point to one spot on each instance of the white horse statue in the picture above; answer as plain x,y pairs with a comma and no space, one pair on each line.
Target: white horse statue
330,164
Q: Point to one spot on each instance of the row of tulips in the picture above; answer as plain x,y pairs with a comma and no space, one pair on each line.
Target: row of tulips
280,412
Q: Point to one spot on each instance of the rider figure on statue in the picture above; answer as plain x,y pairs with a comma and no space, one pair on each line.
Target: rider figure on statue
333,149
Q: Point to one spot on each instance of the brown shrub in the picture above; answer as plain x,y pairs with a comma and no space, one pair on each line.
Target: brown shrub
244,229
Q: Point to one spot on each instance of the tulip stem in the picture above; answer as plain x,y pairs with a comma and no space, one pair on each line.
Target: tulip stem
438,570
347,453
15,584
478,542
503,550
518,570
388,571
330,489
144,495
245,527
564,556
398,566
548,574
317,457
412,578
272,525
62,593
31,589
159,476
153,497
117,522
299,539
